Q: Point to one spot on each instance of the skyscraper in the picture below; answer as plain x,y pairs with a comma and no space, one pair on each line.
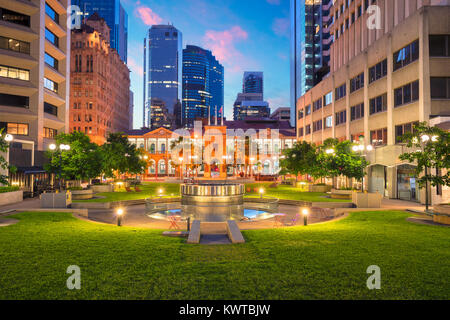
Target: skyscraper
309,46
203,90
253,82
163,60
116,18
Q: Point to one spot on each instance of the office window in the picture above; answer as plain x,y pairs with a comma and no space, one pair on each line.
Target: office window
300,132
308,129
357,82
51,13
14,101
51,61
50,36
50,133
357,112
51,85
50,109
14,17
378,71
300,114
14,45
14,73
439,45
317,105
307,110
341,92
341,117
378,137
20,129
317,125
328,98
406,55
328,122
440,88
400,130
406,94
378,104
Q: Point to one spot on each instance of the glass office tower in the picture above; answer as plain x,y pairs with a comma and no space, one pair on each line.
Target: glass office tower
309,37
164,68
253,82
116,18
203,85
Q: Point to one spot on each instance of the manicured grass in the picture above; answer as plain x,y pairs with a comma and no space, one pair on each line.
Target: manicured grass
290,193
150,189
326,261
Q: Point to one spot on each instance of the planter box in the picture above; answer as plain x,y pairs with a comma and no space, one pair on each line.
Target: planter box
442,214
102,188
11,197
442,209
82,194
341,194
367,200
56,200
322,189
442,219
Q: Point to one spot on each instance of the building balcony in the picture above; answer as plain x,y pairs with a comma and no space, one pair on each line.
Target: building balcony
51,121
53,74
54,51
17,87
22,6
13,58
53,98
54,27
57,6
16,31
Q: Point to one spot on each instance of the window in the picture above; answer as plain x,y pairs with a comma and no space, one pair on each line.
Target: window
341,117
50,109
357,82
341,91
14,17
406,94
20,129
378,137
359,11
50,133
328,98
14,73
308,110
50,36
328,122
439,45
308,129
300,114
317,105
51,13
400,130
14,101
51,85
378,104
317,125
378,71
52,62
440,88
406,55
357,112
14,45
300,132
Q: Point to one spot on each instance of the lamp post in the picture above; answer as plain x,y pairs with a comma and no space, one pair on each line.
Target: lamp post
119,213
305,212
261,192
61,148
181,168
426,139
360,148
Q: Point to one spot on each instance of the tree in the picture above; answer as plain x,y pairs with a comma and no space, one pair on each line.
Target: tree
121,156
299,159
82,161
430,150
4,145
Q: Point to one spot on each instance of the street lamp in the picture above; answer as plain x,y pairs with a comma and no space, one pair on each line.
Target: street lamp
360,148
305,213
62,147
425,140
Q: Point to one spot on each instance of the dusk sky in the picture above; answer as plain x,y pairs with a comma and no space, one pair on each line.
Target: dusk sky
244,35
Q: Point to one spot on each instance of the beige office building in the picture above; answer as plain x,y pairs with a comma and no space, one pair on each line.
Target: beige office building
383,79
34,73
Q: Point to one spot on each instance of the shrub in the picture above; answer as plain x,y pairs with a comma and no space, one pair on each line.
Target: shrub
9,189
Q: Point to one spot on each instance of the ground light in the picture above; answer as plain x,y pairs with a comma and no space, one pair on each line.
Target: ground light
160,192
261,192
305,212
119,213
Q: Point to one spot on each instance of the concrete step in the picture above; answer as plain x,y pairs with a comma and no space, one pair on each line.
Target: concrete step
214,239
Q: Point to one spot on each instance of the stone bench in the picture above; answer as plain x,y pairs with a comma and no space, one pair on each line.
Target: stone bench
194,234
234,233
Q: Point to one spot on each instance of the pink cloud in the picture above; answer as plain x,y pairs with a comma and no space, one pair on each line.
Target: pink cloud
280,27
135,67
222,44
147,15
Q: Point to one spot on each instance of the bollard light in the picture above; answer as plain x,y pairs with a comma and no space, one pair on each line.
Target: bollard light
160,192
119,213
261,192
305,212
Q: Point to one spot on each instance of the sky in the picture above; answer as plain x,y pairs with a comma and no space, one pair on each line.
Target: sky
244,35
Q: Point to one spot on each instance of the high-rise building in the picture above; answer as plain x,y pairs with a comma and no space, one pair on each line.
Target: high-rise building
310,43
384,78
100,83
34,77
203,91
116,18
163,61
159,114
283,114
253,82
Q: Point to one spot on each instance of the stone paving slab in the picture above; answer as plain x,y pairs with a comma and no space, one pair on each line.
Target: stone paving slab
7,222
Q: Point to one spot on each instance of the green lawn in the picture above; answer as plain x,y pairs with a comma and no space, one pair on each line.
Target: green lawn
326,261
150,189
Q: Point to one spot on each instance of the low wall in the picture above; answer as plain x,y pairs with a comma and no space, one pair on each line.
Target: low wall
442,214
82,194
442,209
319,188
11,197
102,188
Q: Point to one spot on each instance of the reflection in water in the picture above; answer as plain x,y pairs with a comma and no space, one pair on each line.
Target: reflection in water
246,214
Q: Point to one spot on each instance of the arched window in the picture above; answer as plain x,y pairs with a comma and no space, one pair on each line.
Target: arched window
162,167
151,167
152,148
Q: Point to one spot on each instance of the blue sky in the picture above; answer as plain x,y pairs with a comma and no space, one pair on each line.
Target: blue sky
245,35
